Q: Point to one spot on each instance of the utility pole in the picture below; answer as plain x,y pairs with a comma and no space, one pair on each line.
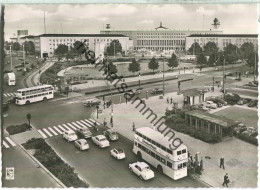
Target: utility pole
114,50
11,57
163,76
23,56
255,67
224,77
213,80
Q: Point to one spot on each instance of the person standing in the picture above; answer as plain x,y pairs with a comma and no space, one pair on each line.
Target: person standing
171,100
167,100
226,180
105,123
134,126
222,162
201,165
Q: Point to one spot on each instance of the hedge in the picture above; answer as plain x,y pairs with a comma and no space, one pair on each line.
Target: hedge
47,156
248,138
14,129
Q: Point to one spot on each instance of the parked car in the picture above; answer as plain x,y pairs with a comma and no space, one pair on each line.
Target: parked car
118,153
142,170
252,103
219,104
84,132
20,69
157,91
249,131
251,84
242,102
91,102
210,104
240,128
205,108
111,135
101,141
70,135
228,74
81,144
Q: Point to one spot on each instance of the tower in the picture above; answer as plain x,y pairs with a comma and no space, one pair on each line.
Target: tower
216,23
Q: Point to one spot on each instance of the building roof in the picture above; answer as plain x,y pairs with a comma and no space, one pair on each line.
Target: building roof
81,35
225,35
220,120
194,91
29,36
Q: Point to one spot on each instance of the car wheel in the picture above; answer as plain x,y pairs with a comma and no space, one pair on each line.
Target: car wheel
27,102
44,99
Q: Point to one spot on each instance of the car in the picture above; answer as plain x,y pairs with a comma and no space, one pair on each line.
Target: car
255,82
111,135
142,170
228,74
240,128
242,102
216,69
251,84
252,103
157,91
70,135
136,91
20,69
84,132
249,131
101,141
118,153
205,108
81,144
219,104
91,102
210,104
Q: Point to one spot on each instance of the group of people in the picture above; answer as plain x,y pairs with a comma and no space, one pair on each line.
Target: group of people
195,166
169,100
107,104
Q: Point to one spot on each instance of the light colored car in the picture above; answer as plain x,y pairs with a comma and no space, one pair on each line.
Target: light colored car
249,131
101,141
81,144
118,153
111,135
70,135
210,104
142,170
84,132
91,102
205,108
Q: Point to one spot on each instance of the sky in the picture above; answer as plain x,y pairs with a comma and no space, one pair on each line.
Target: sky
91,18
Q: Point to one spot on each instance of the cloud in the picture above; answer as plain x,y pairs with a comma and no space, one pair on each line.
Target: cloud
207,12
146,21
103,19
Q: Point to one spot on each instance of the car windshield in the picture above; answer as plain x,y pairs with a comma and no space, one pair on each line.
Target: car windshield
72,134
120,151
146,168
102,139
84,142
113,133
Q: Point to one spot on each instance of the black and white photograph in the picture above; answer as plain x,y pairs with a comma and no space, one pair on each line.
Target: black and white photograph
128,95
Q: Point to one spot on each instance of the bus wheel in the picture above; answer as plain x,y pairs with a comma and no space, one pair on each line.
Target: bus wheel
159,168
139,155
44,99
27,102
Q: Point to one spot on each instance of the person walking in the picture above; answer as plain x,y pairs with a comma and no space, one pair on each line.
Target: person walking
133,126
201,165
226,180
95,126
167,100
105,123
171,100
222,162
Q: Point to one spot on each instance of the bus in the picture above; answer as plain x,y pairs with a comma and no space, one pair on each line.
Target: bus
153,147
34,94
11,79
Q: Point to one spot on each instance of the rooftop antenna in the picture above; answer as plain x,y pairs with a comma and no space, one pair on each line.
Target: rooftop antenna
61,28
44,24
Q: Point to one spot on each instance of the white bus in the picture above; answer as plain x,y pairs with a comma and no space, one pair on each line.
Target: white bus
34,94
153,147
11,79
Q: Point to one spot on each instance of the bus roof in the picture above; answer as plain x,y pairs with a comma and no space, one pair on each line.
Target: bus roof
11,75
35,87
158,137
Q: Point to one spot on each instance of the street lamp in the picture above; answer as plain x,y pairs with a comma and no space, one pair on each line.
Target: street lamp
163,75
111,119
11,57
114,49
139,81
97,110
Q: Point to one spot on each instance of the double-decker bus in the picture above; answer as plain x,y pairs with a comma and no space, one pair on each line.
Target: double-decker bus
34,94
153,147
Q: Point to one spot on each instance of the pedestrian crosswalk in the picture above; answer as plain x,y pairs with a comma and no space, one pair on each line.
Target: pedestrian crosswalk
59,129
9,94
8,142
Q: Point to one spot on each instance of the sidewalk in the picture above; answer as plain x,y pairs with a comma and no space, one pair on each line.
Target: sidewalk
240,157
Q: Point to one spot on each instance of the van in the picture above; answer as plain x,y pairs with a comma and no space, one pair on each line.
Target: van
91,102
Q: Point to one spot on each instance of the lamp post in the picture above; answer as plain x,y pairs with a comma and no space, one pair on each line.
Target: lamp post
213,79
139,81
163,75
114,49
23,56
112,113
255,67
97,110
11,57
224,76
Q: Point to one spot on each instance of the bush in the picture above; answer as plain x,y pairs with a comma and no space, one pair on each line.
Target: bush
14,129
248,139
232,99
47,156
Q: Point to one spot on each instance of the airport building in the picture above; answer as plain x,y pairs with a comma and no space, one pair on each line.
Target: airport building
221,40
160,38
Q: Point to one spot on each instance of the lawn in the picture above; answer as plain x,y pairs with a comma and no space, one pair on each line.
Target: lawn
246,116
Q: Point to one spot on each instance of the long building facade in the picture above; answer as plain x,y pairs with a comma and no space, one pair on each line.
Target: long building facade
160,38
45,44
221,40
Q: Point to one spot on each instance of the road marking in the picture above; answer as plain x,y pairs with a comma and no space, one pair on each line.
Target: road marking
62,128
85,123
76,125
42,134
72,126
56,128
80,124
66,127
8,94
5,144
5,95
10,141
52,131
89,122
94,121
47,132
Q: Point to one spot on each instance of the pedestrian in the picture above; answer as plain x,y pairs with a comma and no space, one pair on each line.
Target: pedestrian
201,165
222,162
110,102
105,123
104,105
226,180
189,154
171,100
107,104
133,126
167,100
196,157
95,126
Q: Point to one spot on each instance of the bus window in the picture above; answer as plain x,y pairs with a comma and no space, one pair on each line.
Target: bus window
152,154
169,151
135,143
153,142
183,151
184,164
50,92
139,146
179,152
158,145
163,160
158,157
179,166
163,148
149,140
169,164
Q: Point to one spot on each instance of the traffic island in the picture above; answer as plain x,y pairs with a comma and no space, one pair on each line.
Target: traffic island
14,129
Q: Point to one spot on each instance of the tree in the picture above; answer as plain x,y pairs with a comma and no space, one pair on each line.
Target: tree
111,68
195,49
213,59
61,50
173,61
134,66
231,53
16,46
70,55
153,64
201,59
8,44
78,48
114,48
252,60
210,47
29,47
245,49
29,117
